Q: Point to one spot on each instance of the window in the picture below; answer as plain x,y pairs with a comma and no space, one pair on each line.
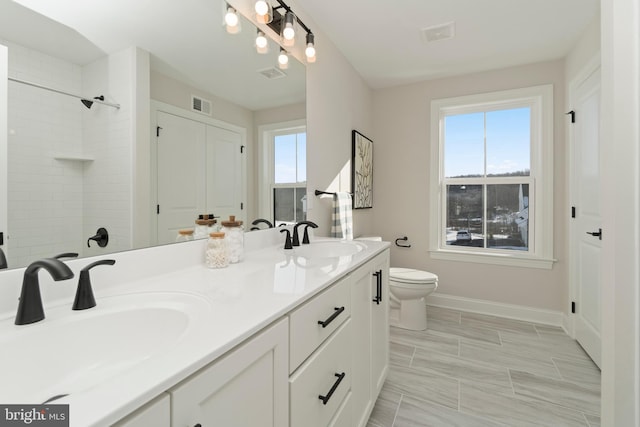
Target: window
492,177
283,172
290,177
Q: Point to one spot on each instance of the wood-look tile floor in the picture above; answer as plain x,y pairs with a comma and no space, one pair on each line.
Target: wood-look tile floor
473,370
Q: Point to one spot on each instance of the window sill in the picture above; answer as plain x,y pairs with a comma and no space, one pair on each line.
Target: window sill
492,258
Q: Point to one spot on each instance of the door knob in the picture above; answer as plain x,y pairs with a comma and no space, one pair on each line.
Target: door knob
597,234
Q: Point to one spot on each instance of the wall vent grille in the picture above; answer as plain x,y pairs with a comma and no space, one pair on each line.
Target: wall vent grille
438,32
272,73
200,105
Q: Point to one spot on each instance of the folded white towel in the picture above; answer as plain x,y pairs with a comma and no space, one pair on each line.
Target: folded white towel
342,218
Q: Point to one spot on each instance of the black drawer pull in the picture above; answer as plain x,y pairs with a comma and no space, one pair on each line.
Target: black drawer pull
335,314
326,398
378,297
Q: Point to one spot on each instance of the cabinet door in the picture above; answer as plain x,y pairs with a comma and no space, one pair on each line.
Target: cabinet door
380,325
246,388
361,306
370,323
155,413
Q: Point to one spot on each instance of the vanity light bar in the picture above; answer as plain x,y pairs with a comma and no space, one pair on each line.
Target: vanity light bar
282,23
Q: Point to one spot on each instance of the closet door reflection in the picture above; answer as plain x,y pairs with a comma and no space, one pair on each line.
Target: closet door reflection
181,174
199,172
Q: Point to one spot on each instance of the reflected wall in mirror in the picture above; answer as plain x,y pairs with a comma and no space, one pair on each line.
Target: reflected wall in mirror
74,169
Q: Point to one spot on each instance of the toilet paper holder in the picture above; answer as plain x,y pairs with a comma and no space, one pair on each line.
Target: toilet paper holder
402,239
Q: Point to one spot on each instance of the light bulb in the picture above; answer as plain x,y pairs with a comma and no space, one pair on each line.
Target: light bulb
288,33
231,18
288,30
262,44
283,59
261,7
261,40
310,52
264,11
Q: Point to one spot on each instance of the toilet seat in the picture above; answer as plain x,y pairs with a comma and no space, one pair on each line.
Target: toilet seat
410,277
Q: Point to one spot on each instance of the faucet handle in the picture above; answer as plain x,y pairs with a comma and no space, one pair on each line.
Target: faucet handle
84,294
3,260
287,240
307,224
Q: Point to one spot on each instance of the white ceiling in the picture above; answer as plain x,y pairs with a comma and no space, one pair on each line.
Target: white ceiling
186,40
382,38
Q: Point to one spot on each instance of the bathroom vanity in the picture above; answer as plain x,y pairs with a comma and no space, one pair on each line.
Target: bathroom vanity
285,338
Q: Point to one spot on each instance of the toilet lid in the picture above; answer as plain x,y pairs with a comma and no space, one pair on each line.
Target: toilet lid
410,275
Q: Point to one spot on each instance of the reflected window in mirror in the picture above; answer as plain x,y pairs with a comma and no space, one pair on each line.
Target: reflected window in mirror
288,180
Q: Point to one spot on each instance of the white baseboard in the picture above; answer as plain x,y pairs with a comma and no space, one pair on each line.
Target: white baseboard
492,308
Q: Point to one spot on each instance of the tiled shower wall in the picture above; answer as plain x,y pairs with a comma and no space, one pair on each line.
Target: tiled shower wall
45,195
53,203
107,136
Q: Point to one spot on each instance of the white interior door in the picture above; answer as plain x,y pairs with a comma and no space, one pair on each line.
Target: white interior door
224,173
587,233
180,174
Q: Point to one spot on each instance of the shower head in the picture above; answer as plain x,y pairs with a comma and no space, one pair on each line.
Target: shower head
88,103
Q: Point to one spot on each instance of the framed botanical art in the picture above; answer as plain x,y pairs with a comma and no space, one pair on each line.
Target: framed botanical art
361,170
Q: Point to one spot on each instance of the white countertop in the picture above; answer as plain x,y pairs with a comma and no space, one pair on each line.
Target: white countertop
235,303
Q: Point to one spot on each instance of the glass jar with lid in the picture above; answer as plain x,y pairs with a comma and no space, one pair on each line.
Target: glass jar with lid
234,236
216,253
205,224
185,235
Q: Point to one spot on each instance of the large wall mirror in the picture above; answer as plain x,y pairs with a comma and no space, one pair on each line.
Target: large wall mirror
170,70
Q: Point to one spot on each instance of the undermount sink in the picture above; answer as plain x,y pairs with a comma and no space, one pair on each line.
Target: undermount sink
329,249
72,351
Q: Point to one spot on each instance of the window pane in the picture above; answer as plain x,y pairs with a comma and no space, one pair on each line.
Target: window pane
288,204
509,142
284,149
508,216
283,203
464,145
302,157
465,216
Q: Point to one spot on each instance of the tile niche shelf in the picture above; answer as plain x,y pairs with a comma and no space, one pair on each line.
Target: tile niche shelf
73,157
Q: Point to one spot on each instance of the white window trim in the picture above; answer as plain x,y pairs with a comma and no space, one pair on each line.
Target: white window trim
540,254
266,174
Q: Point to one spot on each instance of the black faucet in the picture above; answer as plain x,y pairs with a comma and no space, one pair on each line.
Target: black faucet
3,260
295,239
287,240
84,294
30,308
261,221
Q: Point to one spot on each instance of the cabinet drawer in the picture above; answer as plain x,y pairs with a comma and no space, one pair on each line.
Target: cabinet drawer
326,374
343,417
312,323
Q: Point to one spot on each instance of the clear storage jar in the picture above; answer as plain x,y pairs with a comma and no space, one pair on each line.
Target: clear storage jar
216,253
185,235
204,227
234,236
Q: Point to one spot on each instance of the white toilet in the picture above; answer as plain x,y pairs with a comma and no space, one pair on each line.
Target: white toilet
407,289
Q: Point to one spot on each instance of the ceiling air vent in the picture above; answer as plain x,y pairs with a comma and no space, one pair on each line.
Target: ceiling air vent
272,73
438,32
199,105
